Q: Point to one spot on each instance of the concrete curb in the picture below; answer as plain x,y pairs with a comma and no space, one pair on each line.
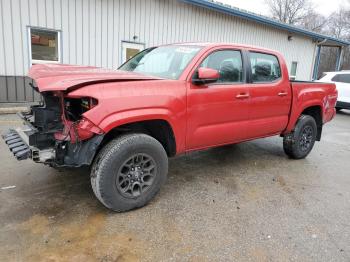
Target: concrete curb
12,110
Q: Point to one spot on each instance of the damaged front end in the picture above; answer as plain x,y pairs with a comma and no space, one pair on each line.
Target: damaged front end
56,132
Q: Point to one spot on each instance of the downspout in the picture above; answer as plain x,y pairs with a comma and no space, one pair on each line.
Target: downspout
318,58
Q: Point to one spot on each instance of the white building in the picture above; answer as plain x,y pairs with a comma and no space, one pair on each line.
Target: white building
105,33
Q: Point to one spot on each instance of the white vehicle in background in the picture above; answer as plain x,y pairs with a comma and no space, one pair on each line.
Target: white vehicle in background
342,81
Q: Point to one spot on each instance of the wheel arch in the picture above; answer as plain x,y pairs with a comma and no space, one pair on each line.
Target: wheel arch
312,109
315,112
158,128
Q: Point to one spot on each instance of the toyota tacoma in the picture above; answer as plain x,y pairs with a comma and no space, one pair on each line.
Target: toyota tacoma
165,101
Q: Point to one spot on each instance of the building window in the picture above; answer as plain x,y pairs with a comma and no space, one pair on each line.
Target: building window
293,70
44,46
130,49
265,68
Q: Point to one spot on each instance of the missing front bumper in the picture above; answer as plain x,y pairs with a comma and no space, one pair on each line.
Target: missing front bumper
36,140
17,141
17,144
63,154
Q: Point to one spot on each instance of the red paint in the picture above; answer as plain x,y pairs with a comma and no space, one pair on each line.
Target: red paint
58,77
201,116
312,94
208,73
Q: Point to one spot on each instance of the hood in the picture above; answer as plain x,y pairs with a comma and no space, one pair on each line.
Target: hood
58,77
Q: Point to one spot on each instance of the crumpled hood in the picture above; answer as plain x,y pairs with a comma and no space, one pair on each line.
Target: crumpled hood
58,77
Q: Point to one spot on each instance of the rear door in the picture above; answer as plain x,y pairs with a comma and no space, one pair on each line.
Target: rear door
218,113
270,95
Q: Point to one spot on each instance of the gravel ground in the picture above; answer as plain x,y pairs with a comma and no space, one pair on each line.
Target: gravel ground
245,202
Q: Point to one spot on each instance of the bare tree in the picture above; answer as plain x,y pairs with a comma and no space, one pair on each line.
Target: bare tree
338,26
315,22
289,11
339,23
301,13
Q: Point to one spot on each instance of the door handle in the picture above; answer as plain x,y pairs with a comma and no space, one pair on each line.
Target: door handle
282,93
242,96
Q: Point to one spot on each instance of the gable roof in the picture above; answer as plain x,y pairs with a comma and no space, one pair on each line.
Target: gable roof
265,21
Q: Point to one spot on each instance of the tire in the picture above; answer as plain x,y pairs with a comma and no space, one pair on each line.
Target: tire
129,171
338,109
299,143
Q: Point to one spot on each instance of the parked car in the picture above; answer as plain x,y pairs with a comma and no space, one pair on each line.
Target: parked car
165,101
342,81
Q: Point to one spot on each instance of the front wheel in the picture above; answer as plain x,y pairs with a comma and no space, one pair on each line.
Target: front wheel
300,142
129,171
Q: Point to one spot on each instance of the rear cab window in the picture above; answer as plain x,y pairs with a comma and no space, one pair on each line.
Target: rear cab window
264,67
228,63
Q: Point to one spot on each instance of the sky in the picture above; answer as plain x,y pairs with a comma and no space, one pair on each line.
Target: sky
324,7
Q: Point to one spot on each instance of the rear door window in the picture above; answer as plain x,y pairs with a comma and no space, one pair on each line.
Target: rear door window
342,78
264,67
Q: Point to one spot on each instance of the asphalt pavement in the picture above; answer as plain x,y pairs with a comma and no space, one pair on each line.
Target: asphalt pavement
245,202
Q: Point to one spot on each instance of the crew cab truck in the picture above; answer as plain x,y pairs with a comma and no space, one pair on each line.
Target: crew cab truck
165,101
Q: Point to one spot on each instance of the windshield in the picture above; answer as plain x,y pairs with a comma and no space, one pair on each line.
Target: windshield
165,61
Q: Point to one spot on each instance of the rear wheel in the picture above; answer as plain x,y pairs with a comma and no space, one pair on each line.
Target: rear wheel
129,171
300,142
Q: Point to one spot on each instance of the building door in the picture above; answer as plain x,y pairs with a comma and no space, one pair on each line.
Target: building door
130,49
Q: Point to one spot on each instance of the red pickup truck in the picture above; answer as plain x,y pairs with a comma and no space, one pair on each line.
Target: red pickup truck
165,101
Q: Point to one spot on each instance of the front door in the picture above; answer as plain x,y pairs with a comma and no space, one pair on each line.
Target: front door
218,112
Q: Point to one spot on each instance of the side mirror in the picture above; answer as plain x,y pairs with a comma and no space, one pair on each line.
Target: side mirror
206,75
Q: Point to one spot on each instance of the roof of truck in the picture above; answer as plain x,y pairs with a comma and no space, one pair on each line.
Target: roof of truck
213,44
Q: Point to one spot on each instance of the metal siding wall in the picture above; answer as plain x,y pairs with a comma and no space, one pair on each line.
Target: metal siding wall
85,14
65,27
79,31
25,20
72,32
3,89
92,31
8,68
